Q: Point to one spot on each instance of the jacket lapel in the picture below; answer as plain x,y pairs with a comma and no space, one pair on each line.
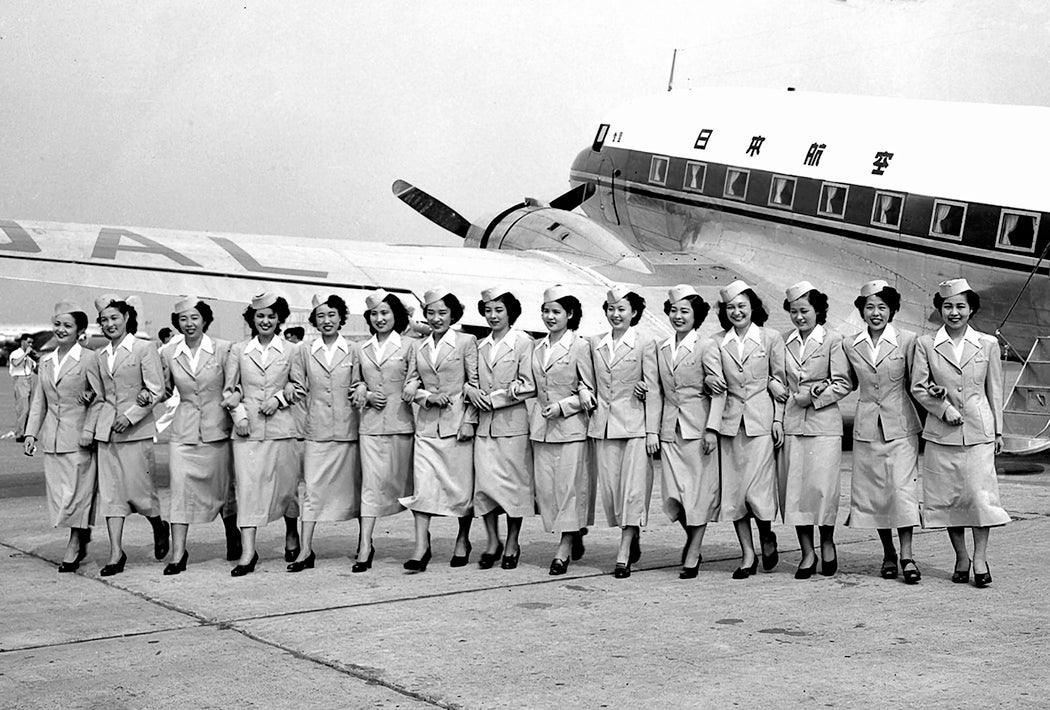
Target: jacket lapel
969,352
945,351
256,357
885,348
749,346
621,353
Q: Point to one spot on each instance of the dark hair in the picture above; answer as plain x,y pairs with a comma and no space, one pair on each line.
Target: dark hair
24,336
972,297
512,304
295,332
164,333
207,317
454,306
699,305
126,310
637,305
335,302
889,295
80,319
759,314
399,311
572,306
280,307
818,300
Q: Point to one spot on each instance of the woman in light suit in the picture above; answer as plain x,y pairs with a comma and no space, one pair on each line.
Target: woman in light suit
689,425
813,378
323,374
200,456
132,380
265,461
386,425
62,411
958,379
741,367
624,428
884,488
561,367
441,366
502,452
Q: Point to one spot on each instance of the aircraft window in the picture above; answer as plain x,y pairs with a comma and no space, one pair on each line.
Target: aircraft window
886,212
948,219
1017,230
695,175
658,170
736,183
782,191
833,200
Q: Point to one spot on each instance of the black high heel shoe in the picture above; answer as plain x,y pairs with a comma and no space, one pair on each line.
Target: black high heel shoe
162,542
419,565
176,567
622,570
360,566
300,565
461,560
889,568
770,561
488,560
962,576
806,572
982,579
745,572
558,567
828,568
241,570
292,554
578,548
511,561
911,576
115,567
690,572
66,567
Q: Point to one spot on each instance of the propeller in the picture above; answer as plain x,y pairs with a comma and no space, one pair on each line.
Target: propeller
432,208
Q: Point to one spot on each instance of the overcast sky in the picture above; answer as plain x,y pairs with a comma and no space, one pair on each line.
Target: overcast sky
294,118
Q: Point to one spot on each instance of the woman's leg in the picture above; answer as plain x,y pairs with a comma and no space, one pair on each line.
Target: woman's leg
628,534
73,546
805,541
957,537
491,519
766,537
905,535
422,534
565,545
747,543
889,552
306,539
364,543
291,534
115,527
247,545
693,541
827,543
513,530
463,537
179,533
980,549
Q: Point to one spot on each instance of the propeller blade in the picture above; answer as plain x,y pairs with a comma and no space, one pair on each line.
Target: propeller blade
574,197
430,207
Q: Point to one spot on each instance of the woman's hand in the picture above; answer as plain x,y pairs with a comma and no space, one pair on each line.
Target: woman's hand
144,398
778,434
438,400
817,389
710,442
479,400
271,405
231,400
551,411
86,397
778,391
86,441
639,391
121,424
652,444
30,446
466,432
715,384
376,400
953,416
242,428
937,391
587,400
359,397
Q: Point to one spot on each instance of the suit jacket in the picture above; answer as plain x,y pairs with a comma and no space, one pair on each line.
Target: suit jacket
256,383
326,389
559,383
513,363
456,367
56,419
386,375
798,369
975,389
132,372
883,386
747,374
619,414
687,407
200,416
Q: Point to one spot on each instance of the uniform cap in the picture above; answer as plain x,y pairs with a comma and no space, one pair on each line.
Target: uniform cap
64,307
677,293
556,292
799,290
493,292
953,287
373,299
618,292
264,300
188,303
873,287
435,294
103,301
733,290
135,302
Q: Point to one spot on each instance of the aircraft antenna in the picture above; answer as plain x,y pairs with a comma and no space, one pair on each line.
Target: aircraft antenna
670,79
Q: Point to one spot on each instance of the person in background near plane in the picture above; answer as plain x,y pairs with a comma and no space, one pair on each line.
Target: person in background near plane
958,379
131,376
21,364
810,376
386,418
624,427
561,367
689,426
258,394
295,334
440,368
200,459
741,367
62,417
884,488
502,451
164,335
323,374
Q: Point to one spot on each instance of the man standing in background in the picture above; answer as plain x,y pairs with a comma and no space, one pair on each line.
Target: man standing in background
22,365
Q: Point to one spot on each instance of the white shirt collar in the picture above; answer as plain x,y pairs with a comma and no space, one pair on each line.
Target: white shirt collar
817,336
688,342
510,337
393,340
448,338
207,345
338,344
971,336
124,343
628,339
889,334
752,333
276,343
74,352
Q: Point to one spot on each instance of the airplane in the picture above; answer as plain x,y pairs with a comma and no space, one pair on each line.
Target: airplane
701,187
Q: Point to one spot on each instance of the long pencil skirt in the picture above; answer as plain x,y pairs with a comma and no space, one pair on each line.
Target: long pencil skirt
200,480
503,475
386,473
959,487
884,488
267,480
443,477
564,485
72,481
810,479
749,477
332,474
625,480
690,481
125,479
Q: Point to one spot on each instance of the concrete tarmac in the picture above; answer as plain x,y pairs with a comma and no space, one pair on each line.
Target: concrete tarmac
472,638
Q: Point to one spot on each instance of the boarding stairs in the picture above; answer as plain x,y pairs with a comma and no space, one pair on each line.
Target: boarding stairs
1026,415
